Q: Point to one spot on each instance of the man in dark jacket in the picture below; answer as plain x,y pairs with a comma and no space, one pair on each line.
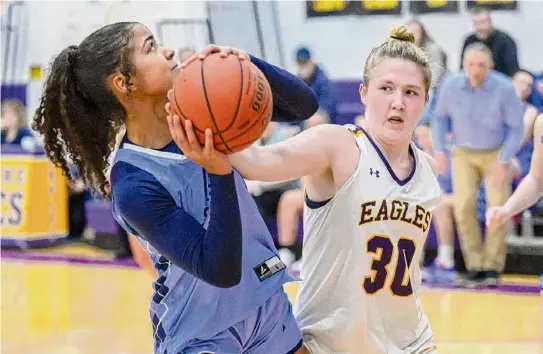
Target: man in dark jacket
502,46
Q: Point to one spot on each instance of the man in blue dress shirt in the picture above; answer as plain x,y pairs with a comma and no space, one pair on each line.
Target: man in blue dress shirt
484,114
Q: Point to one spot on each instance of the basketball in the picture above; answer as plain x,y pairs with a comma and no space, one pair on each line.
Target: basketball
230,96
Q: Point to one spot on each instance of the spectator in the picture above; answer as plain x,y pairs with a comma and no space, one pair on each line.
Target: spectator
15,129
78,195
437,55
502,46
315,77
484,113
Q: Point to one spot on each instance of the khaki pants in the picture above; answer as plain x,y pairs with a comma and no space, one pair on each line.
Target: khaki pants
469,167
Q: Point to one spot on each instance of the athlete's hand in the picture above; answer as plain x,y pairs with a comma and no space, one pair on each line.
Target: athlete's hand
212,48
496,216
213,161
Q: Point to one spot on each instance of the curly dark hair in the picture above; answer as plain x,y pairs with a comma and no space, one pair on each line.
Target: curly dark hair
79,115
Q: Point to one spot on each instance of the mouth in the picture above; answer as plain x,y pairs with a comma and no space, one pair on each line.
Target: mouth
175,67
395,120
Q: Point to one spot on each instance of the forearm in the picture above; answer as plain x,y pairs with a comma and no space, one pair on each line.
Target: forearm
304,154
263,164
527,194
293,100
221,254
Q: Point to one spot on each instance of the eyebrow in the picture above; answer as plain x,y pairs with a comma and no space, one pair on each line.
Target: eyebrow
388,82
150,38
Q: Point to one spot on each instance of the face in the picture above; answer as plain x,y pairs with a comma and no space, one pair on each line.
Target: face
414,28
482,24
154,66
523,84
395,98
476,64
9,118
305,69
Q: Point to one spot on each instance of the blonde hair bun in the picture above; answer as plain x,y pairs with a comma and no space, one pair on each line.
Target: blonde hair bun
400,33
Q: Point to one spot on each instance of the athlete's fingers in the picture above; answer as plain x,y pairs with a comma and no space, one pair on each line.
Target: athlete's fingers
208,148
190,59
195,145
178,134
167,107
225,51
171,126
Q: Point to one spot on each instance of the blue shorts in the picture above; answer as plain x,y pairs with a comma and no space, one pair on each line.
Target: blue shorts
272,329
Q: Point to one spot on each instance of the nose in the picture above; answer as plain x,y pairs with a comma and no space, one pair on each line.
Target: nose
169,53
398,101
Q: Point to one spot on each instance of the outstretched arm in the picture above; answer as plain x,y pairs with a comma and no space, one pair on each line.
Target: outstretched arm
314,151
530,190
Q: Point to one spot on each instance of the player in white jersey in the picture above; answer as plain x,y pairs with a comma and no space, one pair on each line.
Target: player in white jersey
369,199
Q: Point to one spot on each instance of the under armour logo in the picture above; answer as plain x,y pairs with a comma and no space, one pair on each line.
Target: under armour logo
376,172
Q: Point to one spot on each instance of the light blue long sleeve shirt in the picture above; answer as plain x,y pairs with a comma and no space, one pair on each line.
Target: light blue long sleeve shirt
485,118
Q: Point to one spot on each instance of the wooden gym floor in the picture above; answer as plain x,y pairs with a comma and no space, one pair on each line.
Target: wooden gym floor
76,300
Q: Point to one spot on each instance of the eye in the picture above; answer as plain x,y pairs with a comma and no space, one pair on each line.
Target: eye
386,88
154,46
411,93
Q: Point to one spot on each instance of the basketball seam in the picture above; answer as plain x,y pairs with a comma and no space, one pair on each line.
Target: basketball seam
182,114
218,131
252,125
239,98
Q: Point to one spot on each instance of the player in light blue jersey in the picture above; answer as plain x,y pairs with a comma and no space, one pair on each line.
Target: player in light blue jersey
220,281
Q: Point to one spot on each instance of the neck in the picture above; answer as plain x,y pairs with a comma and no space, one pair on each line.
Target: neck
475,84
147,127
395,153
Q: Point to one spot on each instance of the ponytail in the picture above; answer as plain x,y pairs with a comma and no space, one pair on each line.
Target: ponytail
74,125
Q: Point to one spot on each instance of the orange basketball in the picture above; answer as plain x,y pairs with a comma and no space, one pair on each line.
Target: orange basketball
228,95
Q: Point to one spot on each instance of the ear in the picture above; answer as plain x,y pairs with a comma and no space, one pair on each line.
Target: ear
363,93
120,84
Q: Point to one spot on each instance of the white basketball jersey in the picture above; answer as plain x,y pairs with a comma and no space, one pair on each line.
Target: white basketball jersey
360,271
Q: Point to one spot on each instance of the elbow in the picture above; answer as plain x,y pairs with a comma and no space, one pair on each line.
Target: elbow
226,279
312,105
229,282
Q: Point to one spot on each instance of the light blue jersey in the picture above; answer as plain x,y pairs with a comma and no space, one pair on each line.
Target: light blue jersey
184,309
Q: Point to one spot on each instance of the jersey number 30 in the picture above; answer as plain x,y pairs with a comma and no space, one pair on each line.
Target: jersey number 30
383,248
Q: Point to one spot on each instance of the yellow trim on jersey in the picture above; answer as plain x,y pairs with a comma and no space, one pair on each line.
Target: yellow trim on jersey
358,133
427,350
